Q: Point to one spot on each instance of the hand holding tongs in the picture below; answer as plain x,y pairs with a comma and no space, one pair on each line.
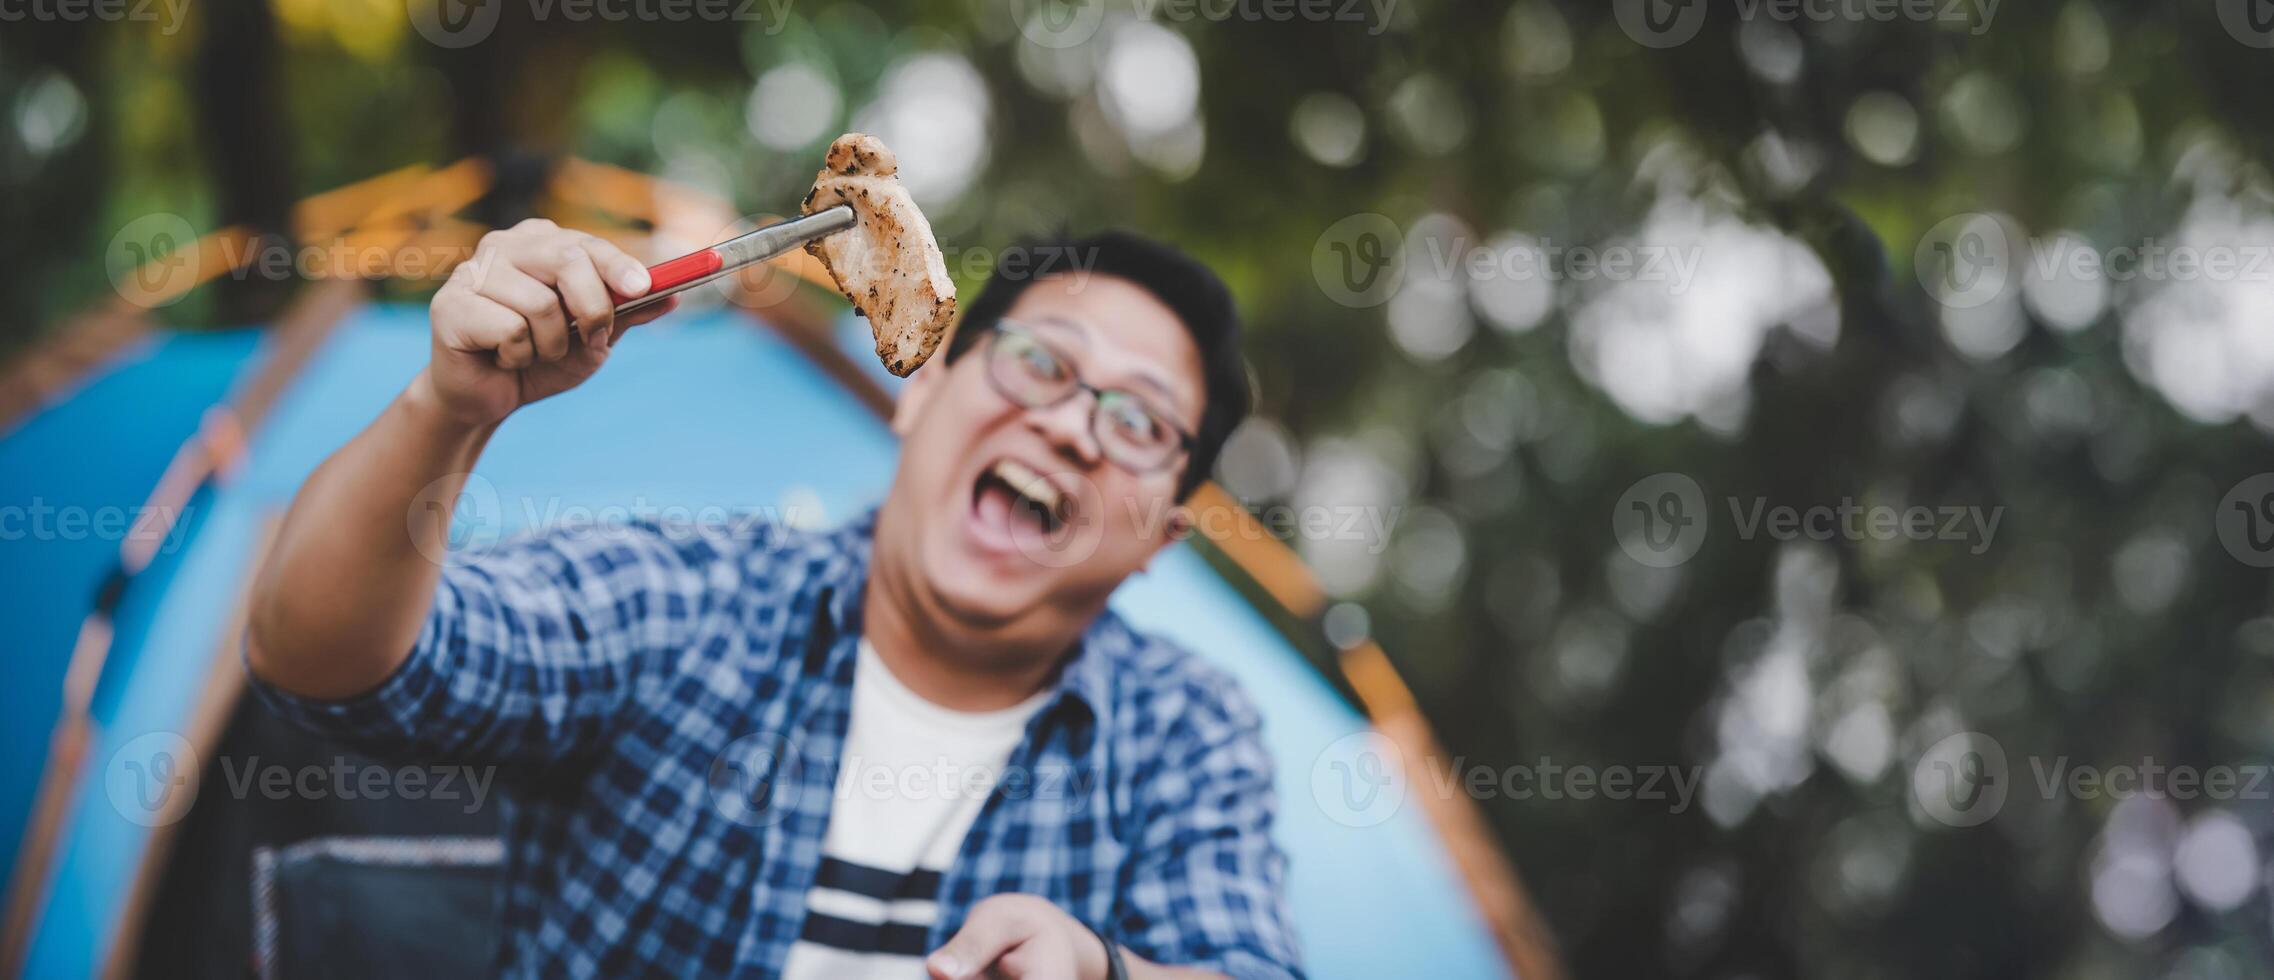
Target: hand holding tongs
674,276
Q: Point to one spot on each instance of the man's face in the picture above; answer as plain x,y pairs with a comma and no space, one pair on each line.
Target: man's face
968,544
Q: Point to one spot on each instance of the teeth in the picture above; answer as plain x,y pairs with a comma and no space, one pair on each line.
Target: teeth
1032,486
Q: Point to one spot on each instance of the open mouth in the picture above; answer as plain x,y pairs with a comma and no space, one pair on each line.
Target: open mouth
1010,494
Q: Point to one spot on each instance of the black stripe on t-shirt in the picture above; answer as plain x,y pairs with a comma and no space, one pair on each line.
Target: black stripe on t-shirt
860,879
895,938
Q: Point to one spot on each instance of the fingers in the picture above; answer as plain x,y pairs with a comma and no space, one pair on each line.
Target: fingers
469,321
624,274
548,277
537,303
623,279
585,296
996,926
595,352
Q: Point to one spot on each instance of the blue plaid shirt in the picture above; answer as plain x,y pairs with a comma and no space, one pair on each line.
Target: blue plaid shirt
667,704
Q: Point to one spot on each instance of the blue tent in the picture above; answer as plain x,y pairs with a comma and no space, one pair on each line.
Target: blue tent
703,407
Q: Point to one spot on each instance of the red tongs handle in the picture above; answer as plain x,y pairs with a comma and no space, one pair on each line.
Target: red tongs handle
667,276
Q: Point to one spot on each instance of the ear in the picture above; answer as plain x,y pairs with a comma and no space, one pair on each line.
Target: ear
916,392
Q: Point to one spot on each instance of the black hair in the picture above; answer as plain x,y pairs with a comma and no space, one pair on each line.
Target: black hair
1189,289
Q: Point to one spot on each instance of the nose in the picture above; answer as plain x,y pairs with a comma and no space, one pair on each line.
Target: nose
1066,426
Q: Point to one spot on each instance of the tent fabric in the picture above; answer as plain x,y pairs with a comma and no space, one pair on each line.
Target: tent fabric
97,451
697,413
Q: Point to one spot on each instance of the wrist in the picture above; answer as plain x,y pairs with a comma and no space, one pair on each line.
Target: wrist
1101,959
424,404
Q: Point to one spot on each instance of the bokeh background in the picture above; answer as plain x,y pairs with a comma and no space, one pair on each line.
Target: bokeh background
1820,171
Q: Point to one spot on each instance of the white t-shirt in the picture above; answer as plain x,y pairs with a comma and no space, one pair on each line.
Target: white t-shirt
913,777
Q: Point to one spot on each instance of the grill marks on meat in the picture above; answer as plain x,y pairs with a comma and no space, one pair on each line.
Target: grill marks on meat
887,264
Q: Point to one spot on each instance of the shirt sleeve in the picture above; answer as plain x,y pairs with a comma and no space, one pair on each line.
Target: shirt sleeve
533,652
1207,887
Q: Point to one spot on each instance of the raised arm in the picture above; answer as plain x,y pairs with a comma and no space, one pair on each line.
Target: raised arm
352,575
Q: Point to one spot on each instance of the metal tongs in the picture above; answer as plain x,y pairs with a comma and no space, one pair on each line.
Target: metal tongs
674,276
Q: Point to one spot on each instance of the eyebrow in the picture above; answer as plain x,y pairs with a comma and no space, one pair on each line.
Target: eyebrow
1144,376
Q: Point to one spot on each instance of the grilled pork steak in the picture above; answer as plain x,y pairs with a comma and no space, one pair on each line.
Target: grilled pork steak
887,263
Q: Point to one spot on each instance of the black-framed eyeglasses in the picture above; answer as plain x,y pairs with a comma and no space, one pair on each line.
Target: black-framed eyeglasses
1032,373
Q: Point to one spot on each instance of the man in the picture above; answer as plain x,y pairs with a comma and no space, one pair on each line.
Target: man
622,677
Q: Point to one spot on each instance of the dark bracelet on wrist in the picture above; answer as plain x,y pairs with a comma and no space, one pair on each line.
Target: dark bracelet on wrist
1116,968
